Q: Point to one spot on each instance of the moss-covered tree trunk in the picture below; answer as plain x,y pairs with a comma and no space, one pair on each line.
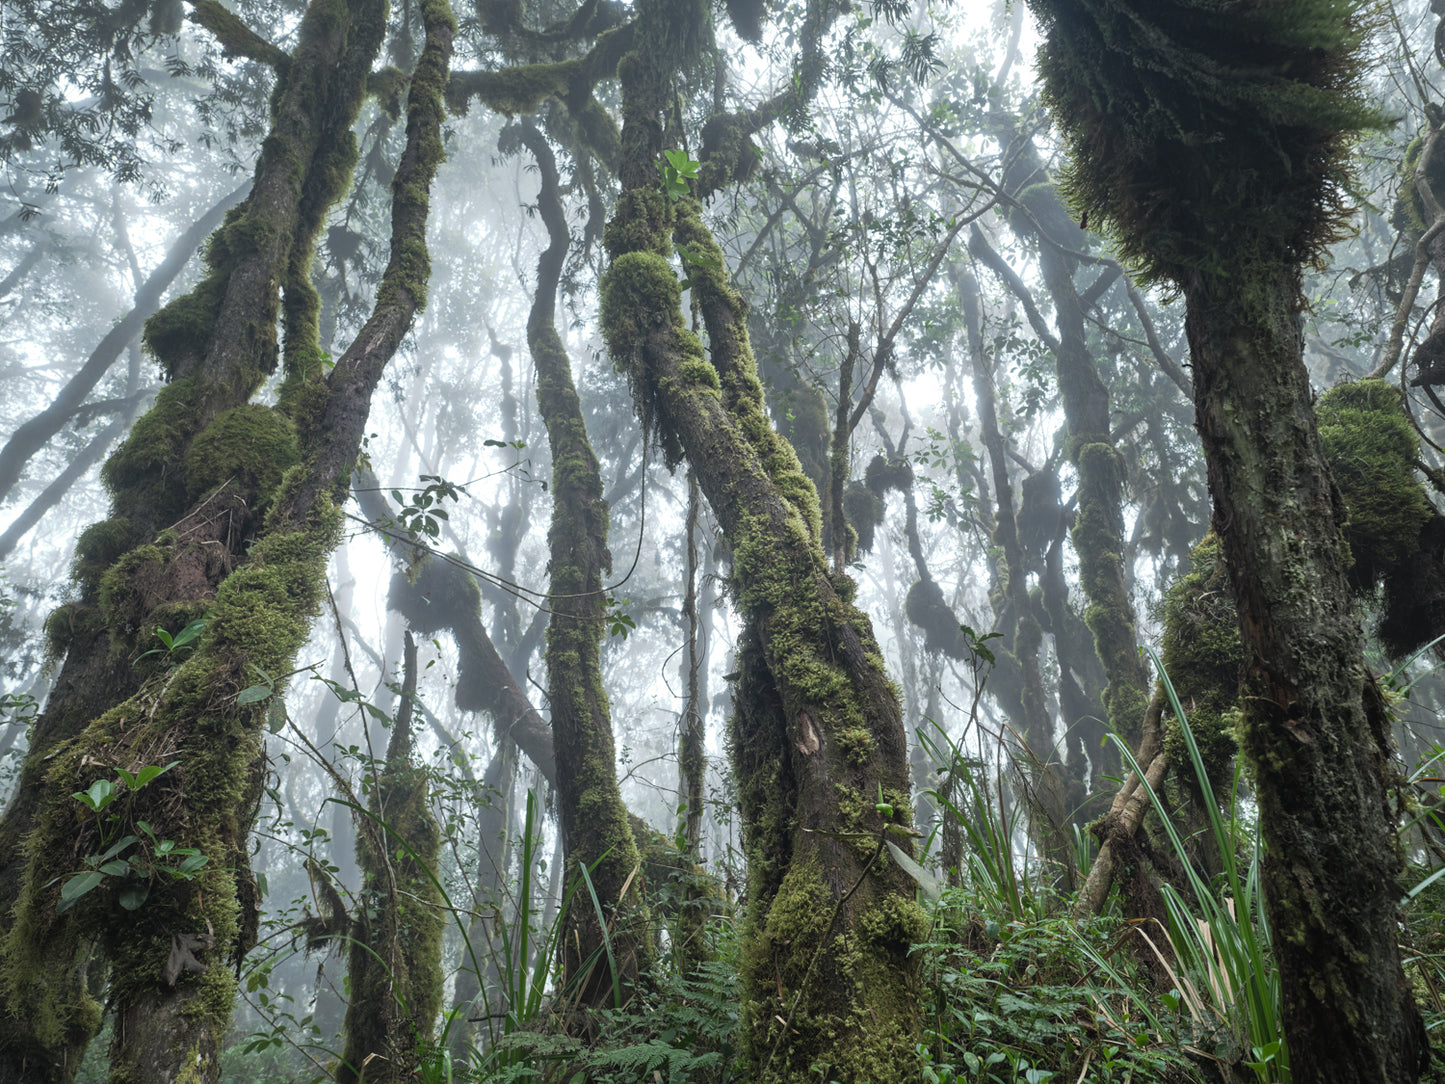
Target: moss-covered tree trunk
248,548
817,738
596,831
1316,728
1223,174
395,968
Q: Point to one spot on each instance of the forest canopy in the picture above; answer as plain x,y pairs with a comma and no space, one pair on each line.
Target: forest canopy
849,540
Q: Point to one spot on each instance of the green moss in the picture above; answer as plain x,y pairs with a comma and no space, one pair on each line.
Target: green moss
249,447
1371,448
865,512
180,333
387,87
640,291
138,468
126,589
1203,656
699,373
100,545
857,744
516,91
67,623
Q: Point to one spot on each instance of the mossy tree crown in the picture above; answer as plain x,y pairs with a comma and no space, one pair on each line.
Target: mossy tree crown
1208,137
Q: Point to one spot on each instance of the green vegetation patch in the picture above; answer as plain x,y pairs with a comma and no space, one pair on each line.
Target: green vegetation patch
1371,448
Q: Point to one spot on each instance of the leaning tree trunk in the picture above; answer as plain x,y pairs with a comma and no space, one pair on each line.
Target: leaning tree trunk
1223,175
173,960
818,742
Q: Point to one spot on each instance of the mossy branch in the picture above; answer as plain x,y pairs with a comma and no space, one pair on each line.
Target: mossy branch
236,38
1422,259
520,90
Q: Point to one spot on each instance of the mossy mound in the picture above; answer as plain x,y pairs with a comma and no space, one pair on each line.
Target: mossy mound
883,474
249,447
1203,655
864,510
138,468
1039,514
1371,448
436,597
100,545
1208,139
941,629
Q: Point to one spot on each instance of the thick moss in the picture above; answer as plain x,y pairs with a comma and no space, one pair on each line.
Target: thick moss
100,545
865,513
640,291
1371,448
1201,161
1203,656
137,469
942,631
249,447
179,333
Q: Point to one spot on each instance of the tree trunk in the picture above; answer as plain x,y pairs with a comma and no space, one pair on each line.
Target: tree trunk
174,959
596,831
818,742
1223,177
1317,731
395,967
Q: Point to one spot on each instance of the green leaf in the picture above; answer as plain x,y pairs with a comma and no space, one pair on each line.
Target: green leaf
100,795
115,848
276,717
80,884
926,881
192,864
251,694
133,895
187,634
151,771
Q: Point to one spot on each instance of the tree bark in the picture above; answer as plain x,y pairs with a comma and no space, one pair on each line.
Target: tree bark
1317,730
596,831
395,953
217,344
818,740
1224,177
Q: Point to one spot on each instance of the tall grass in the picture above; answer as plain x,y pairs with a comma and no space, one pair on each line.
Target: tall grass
1225,977
991,868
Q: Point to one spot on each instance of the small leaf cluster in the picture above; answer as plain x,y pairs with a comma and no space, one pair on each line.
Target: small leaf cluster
174,645
619,621
422,515
136,867
677,171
